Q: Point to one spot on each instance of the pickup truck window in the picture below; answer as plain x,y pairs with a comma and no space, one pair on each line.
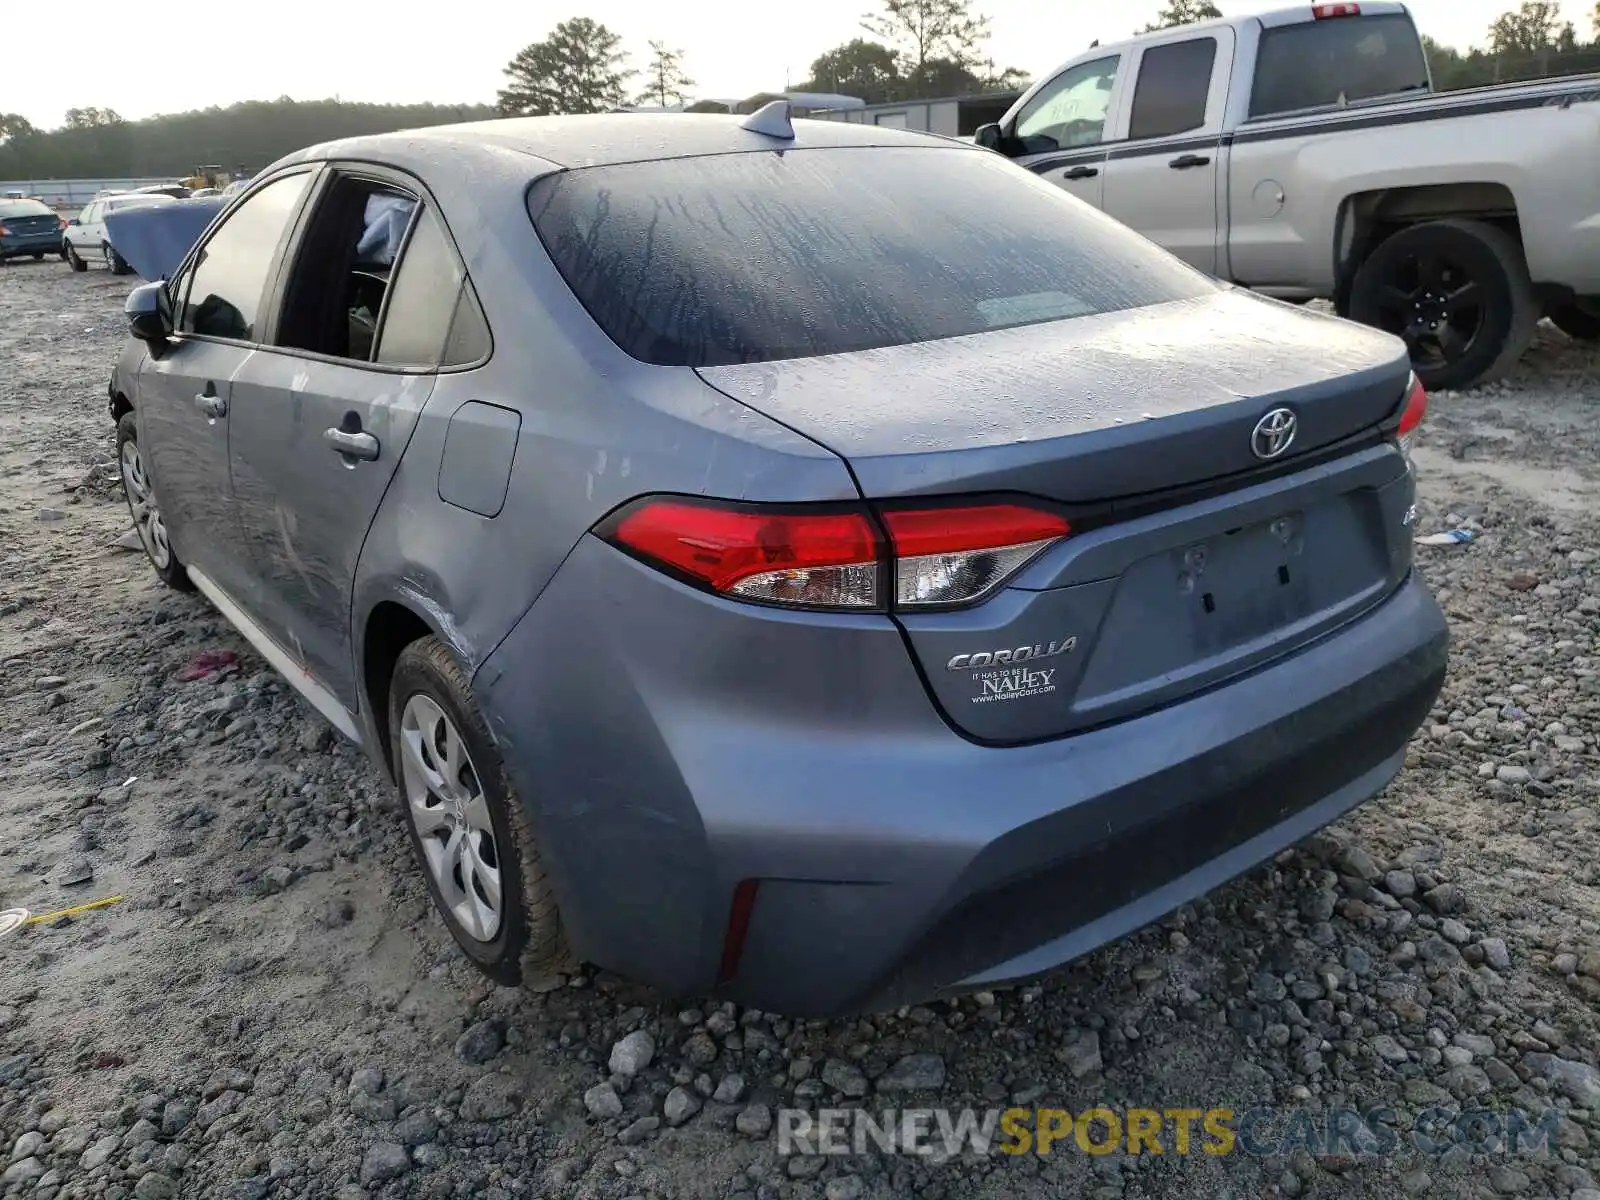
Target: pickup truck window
1174,81
1319,64
1070,110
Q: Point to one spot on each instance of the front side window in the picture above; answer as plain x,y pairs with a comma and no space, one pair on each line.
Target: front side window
760,256
1174,82
89,215
229,276
1070,110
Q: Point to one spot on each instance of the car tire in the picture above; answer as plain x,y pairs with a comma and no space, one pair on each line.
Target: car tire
38,256
117,264
474,832
1477,292
139,488
1577,319
73,259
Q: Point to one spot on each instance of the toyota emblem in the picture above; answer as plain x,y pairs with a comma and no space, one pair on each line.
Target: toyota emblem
1274,433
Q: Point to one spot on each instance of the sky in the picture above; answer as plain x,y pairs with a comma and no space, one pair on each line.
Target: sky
315,49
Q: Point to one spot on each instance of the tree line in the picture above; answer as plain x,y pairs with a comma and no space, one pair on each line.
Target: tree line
906,50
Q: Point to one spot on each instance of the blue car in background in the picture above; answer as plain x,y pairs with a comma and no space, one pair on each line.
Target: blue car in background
29,228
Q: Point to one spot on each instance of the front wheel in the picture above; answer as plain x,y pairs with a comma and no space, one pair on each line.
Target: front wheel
114,261
1577,319
469,830
144,508
1458,292
70,253
39,256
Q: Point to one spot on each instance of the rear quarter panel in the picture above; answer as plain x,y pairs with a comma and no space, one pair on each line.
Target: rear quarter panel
1548,158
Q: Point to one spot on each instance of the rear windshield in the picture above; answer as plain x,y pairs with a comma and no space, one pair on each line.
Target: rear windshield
1314,64
761,256
137,201
24,208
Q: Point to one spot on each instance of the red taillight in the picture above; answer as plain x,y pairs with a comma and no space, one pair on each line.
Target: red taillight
828,557
4,232
1416,407
63,223
813,559
1323,11
958,555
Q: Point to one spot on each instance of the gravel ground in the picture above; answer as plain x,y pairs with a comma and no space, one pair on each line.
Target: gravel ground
273,1010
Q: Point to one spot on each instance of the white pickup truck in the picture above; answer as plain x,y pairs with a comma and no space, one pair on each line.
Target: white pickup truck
1303,153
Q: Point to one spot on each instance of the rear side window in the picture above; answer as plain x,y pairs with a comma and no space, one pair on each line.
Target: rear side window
762,256
1313,64
1174,81
430,320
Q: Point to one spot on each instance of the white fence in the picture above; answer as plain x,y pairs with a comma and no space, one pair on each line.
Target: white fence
74,193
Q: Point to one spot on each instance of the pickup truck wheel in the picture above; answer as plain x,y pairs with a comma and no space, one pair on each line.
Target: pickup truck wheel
1577,319
468,827
1458,292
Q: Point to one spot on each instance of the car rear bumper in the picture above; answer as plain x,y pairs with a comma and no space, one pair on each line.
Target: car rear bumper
671,745
13,247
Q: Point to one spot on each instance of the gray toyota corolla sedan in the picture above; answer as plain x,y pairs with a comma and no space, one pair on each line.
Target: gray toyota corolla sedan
814,564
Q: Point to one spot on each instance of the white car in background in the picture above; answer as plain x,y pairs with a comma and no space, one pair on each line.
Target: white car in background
85,235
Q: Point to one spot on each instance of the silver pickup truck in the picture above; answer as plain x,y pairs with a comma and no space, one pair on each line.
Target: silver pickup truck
1303,153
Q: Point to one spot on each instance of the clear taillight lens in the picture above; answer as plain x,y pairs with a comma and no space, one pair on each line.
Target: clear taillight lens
1416,407
959,555
823,556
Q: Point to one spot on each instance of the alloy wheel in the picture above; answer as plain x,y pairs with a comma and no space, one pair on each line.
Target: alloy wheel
142,503
1436,305
446,805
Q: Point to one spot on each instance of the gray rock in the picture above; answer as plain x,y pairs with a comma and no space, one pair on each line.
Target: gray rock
420,1127
141,1132
100,1152
430,1155
22,1173
602,1101
1400,884
368,1080
730,1090
481,1042
680,1105
1577,1080
27,1145
1508,1181
1496,953
227,1079
845,1187
914,1073
700,1050
1356,862
383,1162
1454,932
175,1117
639,1130
492,1098
755,1121
633,1053
1415,1183
73,872
846,1077
366,1107
155,1186
214,1110
1388,1049
1081,1053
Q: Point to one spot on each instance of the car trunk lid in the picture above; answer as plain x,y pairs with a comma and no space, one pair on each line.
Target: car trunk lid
1191,559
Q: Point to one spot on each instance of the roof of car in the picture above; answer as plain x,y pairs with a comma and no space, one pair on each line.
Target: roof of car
603,139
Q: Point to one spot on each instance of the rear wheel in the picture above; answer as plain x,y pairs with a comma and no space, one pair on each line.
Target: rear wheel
468,828
1458,292
70,253
144,508
1578,319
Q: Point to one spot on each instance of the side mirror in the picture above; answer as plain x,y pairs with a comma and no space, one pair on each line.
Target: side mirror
74,221
149,311
988,136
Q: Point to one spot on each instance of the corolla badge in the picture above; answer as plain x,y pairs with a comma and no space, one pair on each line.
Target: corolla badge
1012,656
1274,433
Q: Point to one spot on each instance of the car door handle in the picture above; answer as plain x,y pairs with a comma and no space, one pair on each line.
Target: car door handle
352,444
1184,161
212,406
1082,173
